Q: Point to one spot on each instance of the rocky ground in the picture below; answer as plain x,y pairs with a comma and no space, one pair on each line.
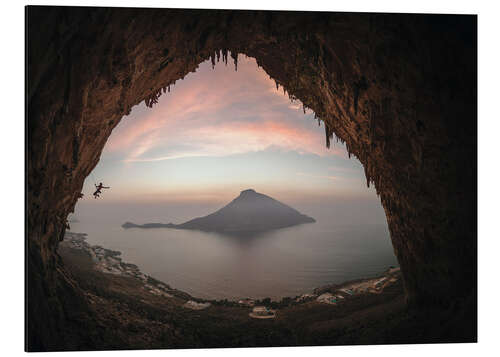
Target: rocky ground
109,262
138,311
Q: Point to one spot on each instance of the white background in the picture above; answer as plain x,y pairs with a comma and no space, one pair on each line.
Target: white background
12,171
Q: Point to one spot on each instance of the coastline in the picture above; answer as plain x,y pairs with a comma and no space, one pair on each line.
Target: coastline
109,262
148,313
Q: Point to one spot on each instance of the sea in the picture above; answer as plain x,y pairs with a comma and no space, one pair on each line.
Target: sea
280,263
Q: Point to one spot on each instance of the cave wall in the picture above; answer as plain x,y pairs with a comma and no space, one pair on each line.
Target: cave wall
399,90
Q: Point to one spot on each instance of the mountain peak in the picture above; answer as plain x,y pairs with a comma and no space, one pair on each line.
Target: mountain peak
247,192
249,212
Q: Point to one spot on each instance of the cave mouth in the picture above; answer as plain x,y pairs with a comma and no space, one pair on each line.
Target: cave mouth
399,89
193,151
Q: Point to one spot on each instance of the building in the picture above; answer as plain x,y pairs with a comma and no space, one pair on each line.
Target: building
246,302
262,312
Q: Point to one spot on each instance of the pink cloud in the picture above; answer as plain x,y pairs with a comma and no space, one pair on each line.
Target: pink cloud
221,111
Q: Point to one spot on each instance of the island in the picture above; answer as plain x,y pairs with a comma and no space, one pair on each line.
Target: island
249,212
148,225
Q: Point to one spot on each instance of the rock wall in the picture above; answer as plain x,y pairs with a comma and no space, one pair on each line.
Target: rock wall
399,90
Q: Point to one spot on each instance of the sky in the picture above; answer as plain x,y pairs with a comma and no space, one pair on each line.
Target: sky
218,132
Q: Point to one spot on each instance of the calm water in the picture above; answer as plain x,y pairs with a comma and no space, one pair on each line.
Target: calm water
286,262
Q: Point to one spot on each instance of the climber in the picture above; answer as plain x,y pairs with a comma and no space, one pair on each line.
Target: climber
98,189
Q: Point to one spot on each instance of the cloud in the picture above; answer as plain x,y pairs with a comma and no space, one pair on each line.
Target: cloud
216,113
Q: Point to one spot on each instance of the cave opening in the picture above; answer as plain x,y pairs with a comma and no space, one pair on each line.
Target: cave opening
190,151
398,89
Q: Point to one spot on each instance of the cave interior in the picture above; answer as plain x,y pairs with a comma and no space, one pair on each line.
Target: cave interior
400,90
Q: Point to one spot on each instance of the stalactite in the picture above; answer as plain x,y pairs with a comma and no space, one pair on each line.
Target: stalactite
217,53
367,175
328,133
234,56
212,59
224,56
327,136
153,99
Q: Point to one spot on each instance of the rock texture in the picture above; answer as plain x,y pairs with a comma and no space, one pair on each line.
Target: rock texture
399,90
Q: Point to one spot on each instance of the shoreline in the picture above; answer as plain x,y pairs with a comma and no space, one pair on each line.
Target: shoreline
109,262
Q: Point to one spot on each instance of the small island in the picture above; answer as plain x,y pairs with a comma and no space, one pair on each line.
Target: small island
249,212
148,225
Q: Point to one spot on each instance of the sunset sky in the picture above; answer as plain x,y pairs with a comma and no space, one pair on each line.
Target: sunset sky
220,131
